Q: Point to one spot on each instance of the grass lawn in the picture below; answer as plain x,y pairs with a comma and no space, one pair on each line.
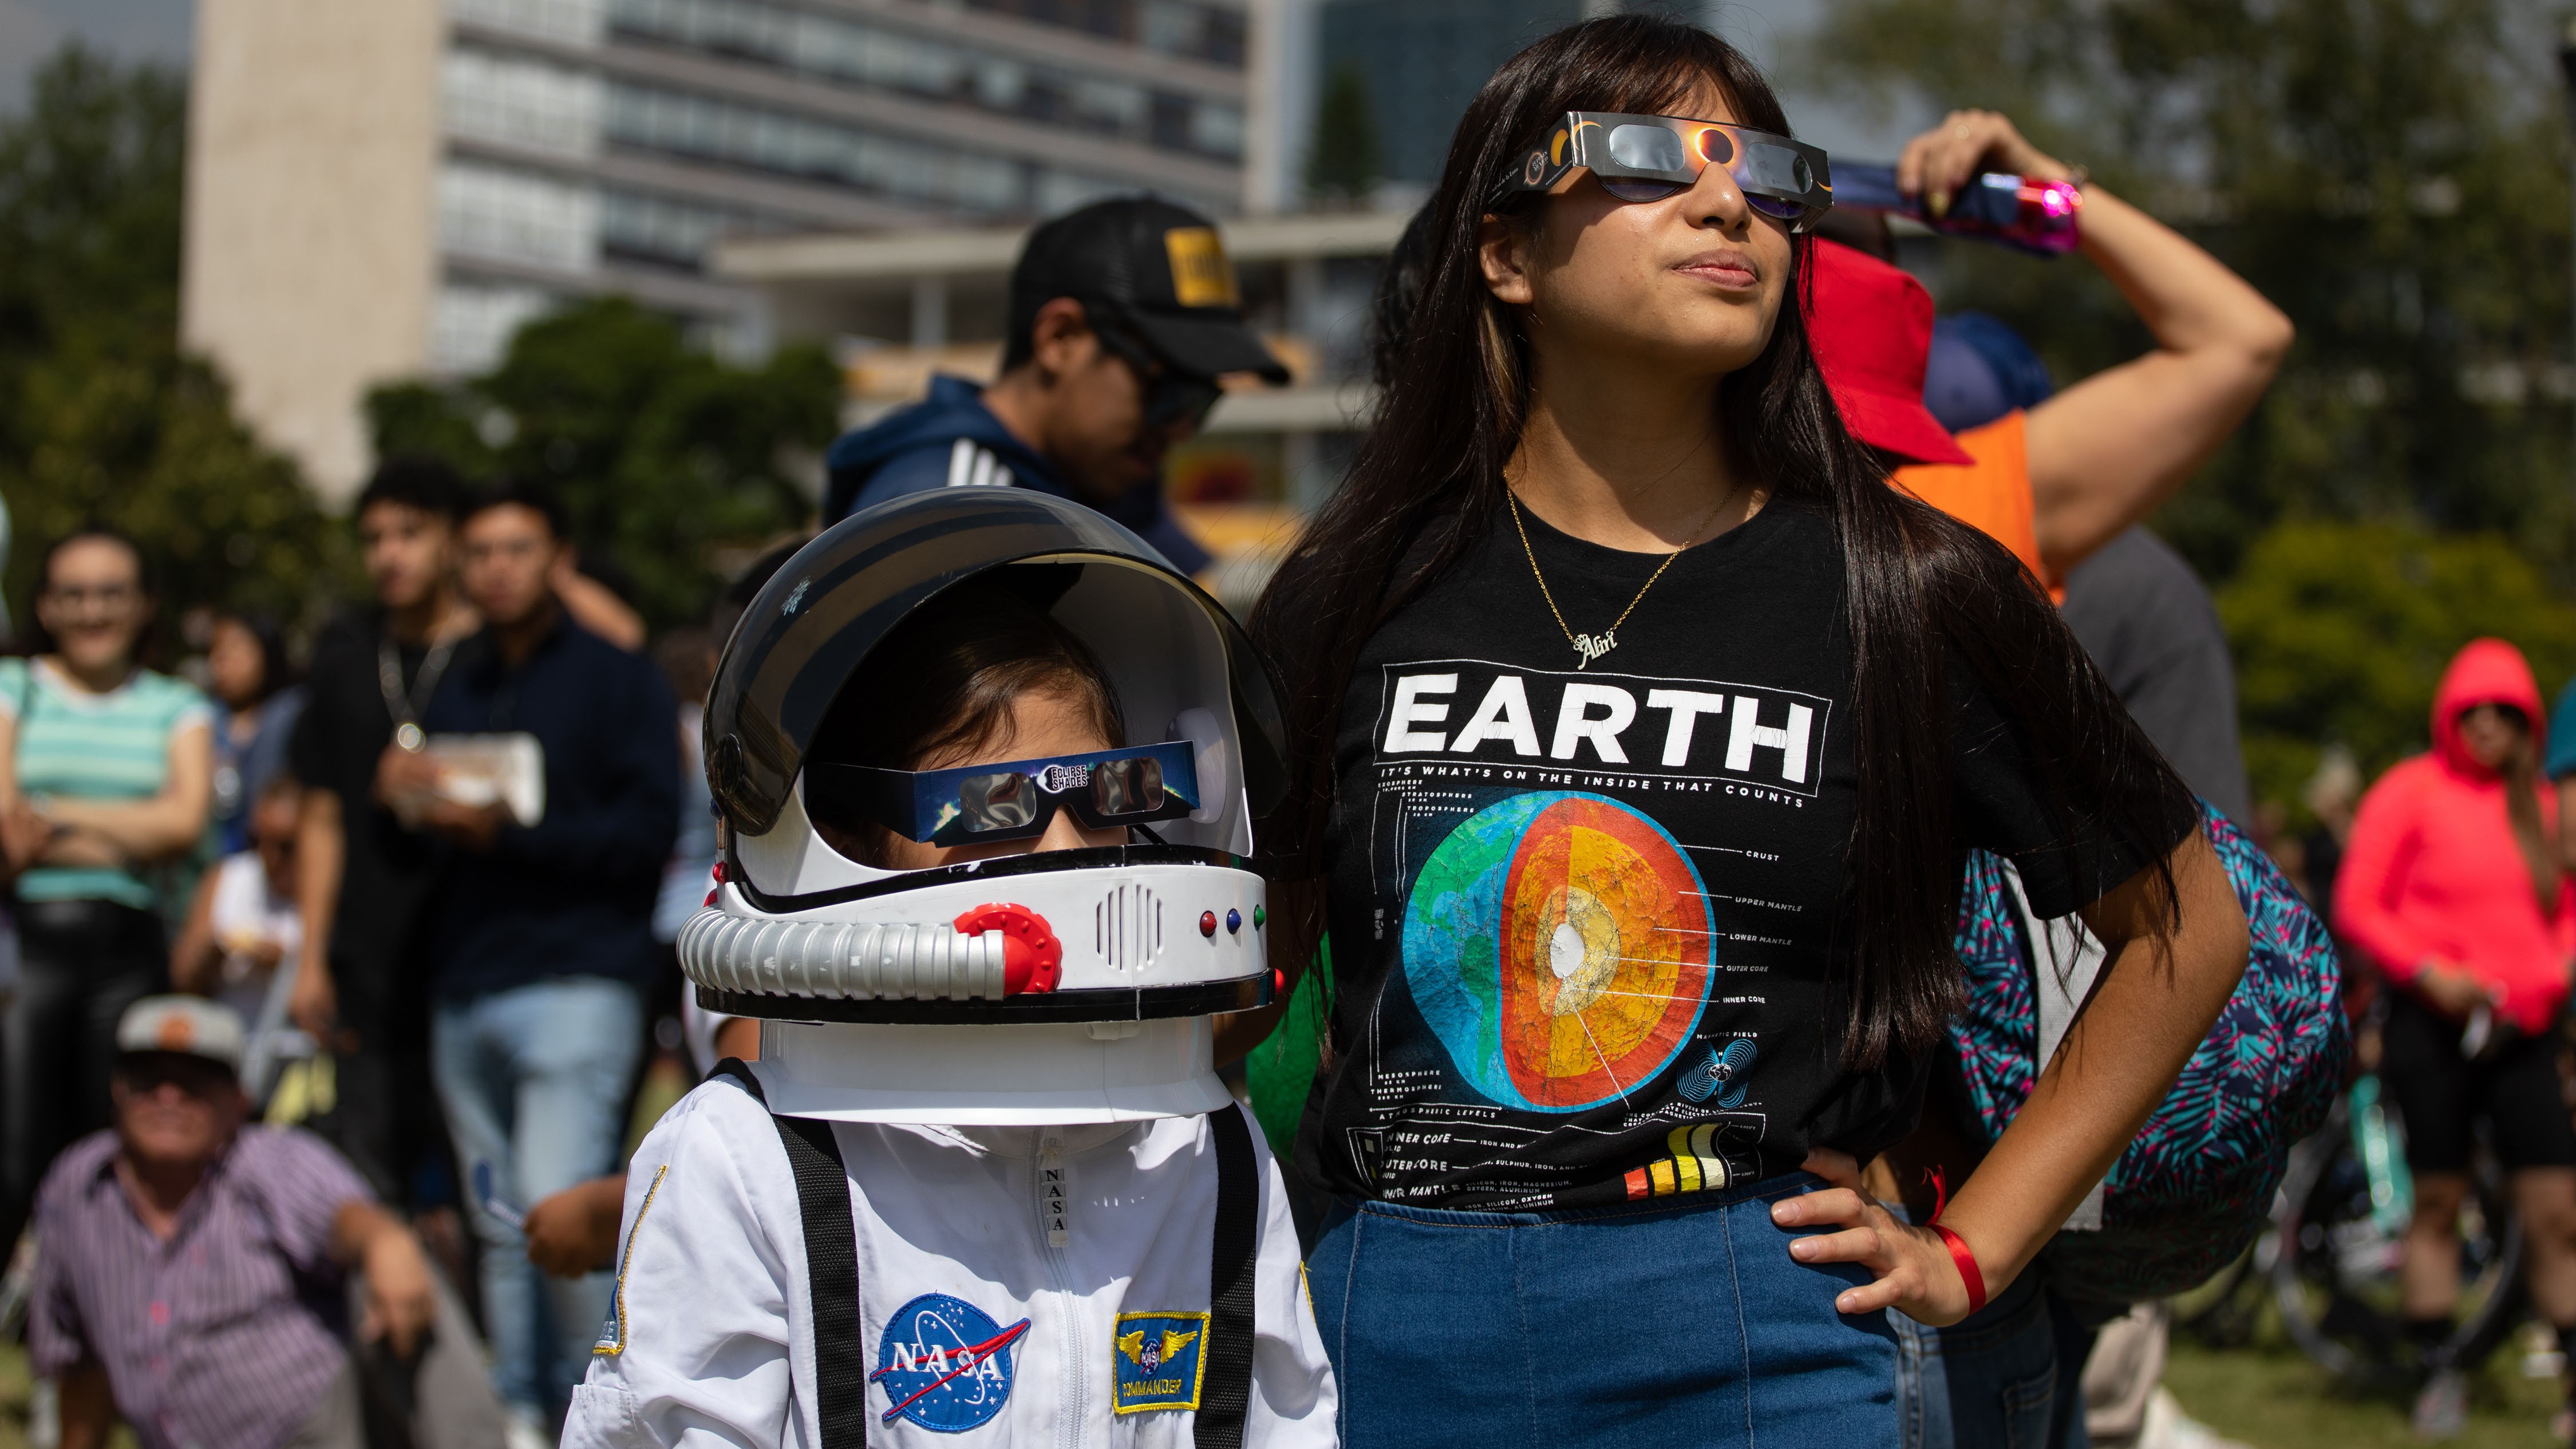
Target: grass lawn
2269,1396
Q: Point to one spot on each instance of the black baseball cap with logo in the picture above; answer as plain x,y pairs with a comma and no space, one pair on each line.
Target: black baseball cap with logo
1157,269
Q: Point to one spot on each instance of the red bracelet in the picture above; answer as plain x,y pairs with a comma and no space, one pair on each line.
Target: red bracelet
1967,1262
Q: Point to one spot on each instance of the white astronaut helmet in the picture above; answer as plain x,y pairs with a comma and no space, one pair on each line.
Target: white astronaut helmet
1057,987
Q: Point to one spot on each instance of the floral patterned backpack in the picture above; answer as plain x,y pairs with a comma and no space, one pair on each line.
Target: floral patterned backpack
2197,1185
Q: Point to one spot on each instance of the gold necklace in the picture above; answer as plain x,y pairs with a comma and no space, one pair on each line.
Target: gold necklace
1593,646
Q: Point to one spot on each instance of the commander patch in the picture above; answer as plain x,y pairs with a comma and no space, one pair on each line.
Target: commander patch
1159,1360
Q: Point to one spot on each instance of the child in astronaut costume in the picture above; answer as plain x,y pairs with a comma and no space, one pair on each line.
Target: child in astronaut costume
988,767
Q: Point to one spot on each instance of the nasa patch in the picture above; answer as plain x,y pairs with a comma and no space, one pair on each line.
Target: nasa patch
944,1364
1158,1360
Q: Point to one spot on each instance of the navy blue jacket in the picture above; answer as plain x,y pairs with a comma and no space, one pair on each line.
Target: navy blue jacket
573,894
951,440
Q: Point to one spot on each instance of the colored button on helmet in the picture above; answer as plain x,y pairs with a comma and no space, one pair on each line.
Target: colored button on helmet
1207,923
1233,922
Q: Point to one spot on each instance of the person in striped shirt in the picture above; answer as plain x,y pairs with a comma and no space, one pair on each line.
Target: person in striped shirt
105,775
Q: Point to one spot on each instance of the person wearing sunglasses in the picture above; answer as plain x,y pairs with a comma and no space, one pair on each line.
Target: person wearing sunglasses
1123,317
1640,728
214,1280
989,771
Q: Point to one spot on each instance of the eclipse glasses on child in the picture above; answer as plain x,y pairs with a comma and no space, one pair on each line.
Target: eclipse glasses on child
1016,799
1647,158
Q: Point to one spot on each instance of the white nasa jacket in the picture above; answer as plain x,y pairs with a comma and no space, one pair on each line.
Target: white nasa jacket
973,1327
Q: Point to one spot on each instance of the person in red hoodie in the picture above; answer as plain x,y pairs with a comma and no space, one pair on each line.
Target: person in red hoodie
2451,889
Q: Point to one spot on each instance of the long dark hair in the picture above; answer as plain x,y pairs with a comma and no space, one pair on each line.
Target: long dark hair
1428,481
276,660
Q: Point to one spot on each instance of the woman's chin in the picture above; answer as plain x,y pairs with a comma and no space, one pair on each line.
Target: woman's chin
86,656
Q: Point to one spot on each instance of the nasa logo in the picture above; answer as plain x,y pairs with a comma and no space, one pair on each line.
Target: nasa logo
944,1364
1159,1361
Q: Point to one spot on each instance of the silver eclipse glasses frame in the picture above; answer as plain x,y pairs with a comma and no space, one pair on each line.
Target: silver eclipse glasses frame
1789,181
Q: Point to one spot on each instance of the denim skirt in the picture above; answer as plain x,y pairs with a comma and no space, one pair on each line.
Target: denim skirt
1611,1326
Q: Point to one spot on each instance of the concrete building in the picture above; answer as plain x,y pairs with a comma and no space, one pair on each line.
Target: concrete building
1424,60
381,190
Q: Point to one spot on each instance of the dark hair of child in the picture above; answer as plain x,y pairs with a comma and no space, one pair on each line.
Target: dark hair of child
940,688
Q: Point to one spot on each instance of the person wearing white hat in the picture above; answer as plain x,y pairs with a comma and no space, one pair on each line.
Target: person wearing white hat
178,1251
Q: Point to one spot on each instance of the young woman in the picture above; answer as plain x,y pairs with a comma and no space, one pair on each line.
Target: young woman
253,680
104,769
1643,730
2450,885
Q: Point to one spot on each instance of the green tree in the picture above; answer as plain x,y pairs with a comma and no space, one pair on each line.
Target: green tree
665,454
1345,162
102,418
2341,631
2392,173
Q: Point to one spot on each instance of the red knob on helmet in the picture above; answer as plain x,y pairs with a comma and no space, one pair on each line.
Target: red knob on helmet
1032,958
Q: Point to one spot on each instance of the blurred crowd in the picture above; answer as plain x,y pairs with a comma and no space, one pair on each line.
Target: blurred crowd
452,852
419,897
367,961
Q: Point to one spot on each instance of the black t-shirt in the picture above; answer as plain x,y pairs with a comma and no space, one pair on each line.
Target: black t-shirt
1584,920
386,880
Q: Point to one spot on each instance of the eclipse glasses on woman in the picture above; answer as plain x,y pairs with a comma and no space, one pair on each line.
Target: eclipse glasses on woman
1647,158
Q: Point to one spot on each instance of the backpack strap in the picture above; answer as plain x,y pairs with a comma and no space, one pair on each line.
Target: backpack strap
1227,1395
831,1266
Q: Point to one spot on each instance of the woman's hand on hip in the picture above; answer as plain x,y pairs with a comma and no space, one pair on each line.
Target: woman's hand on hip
1913,1271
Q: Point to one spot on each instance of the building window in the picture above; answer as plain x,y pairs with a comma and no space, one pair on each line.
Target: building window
471,323
577,22
1217,130
833,48
1171,121
521,102
668,230
921,171
1192,28
517,216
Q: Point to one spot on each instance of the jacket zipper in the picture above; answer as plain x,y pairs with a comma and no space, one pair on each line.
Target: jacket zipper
1054,1194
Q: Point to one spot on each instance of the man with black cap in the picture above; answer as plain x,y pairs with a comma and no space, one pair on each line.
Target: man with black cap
1123,315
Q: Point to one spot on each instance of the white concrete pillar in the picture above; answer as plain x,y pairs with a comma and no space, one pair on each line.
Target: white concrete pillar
930,313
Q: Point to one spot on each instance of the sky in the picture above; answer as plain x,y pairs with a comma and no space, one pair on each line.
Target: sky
129,29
